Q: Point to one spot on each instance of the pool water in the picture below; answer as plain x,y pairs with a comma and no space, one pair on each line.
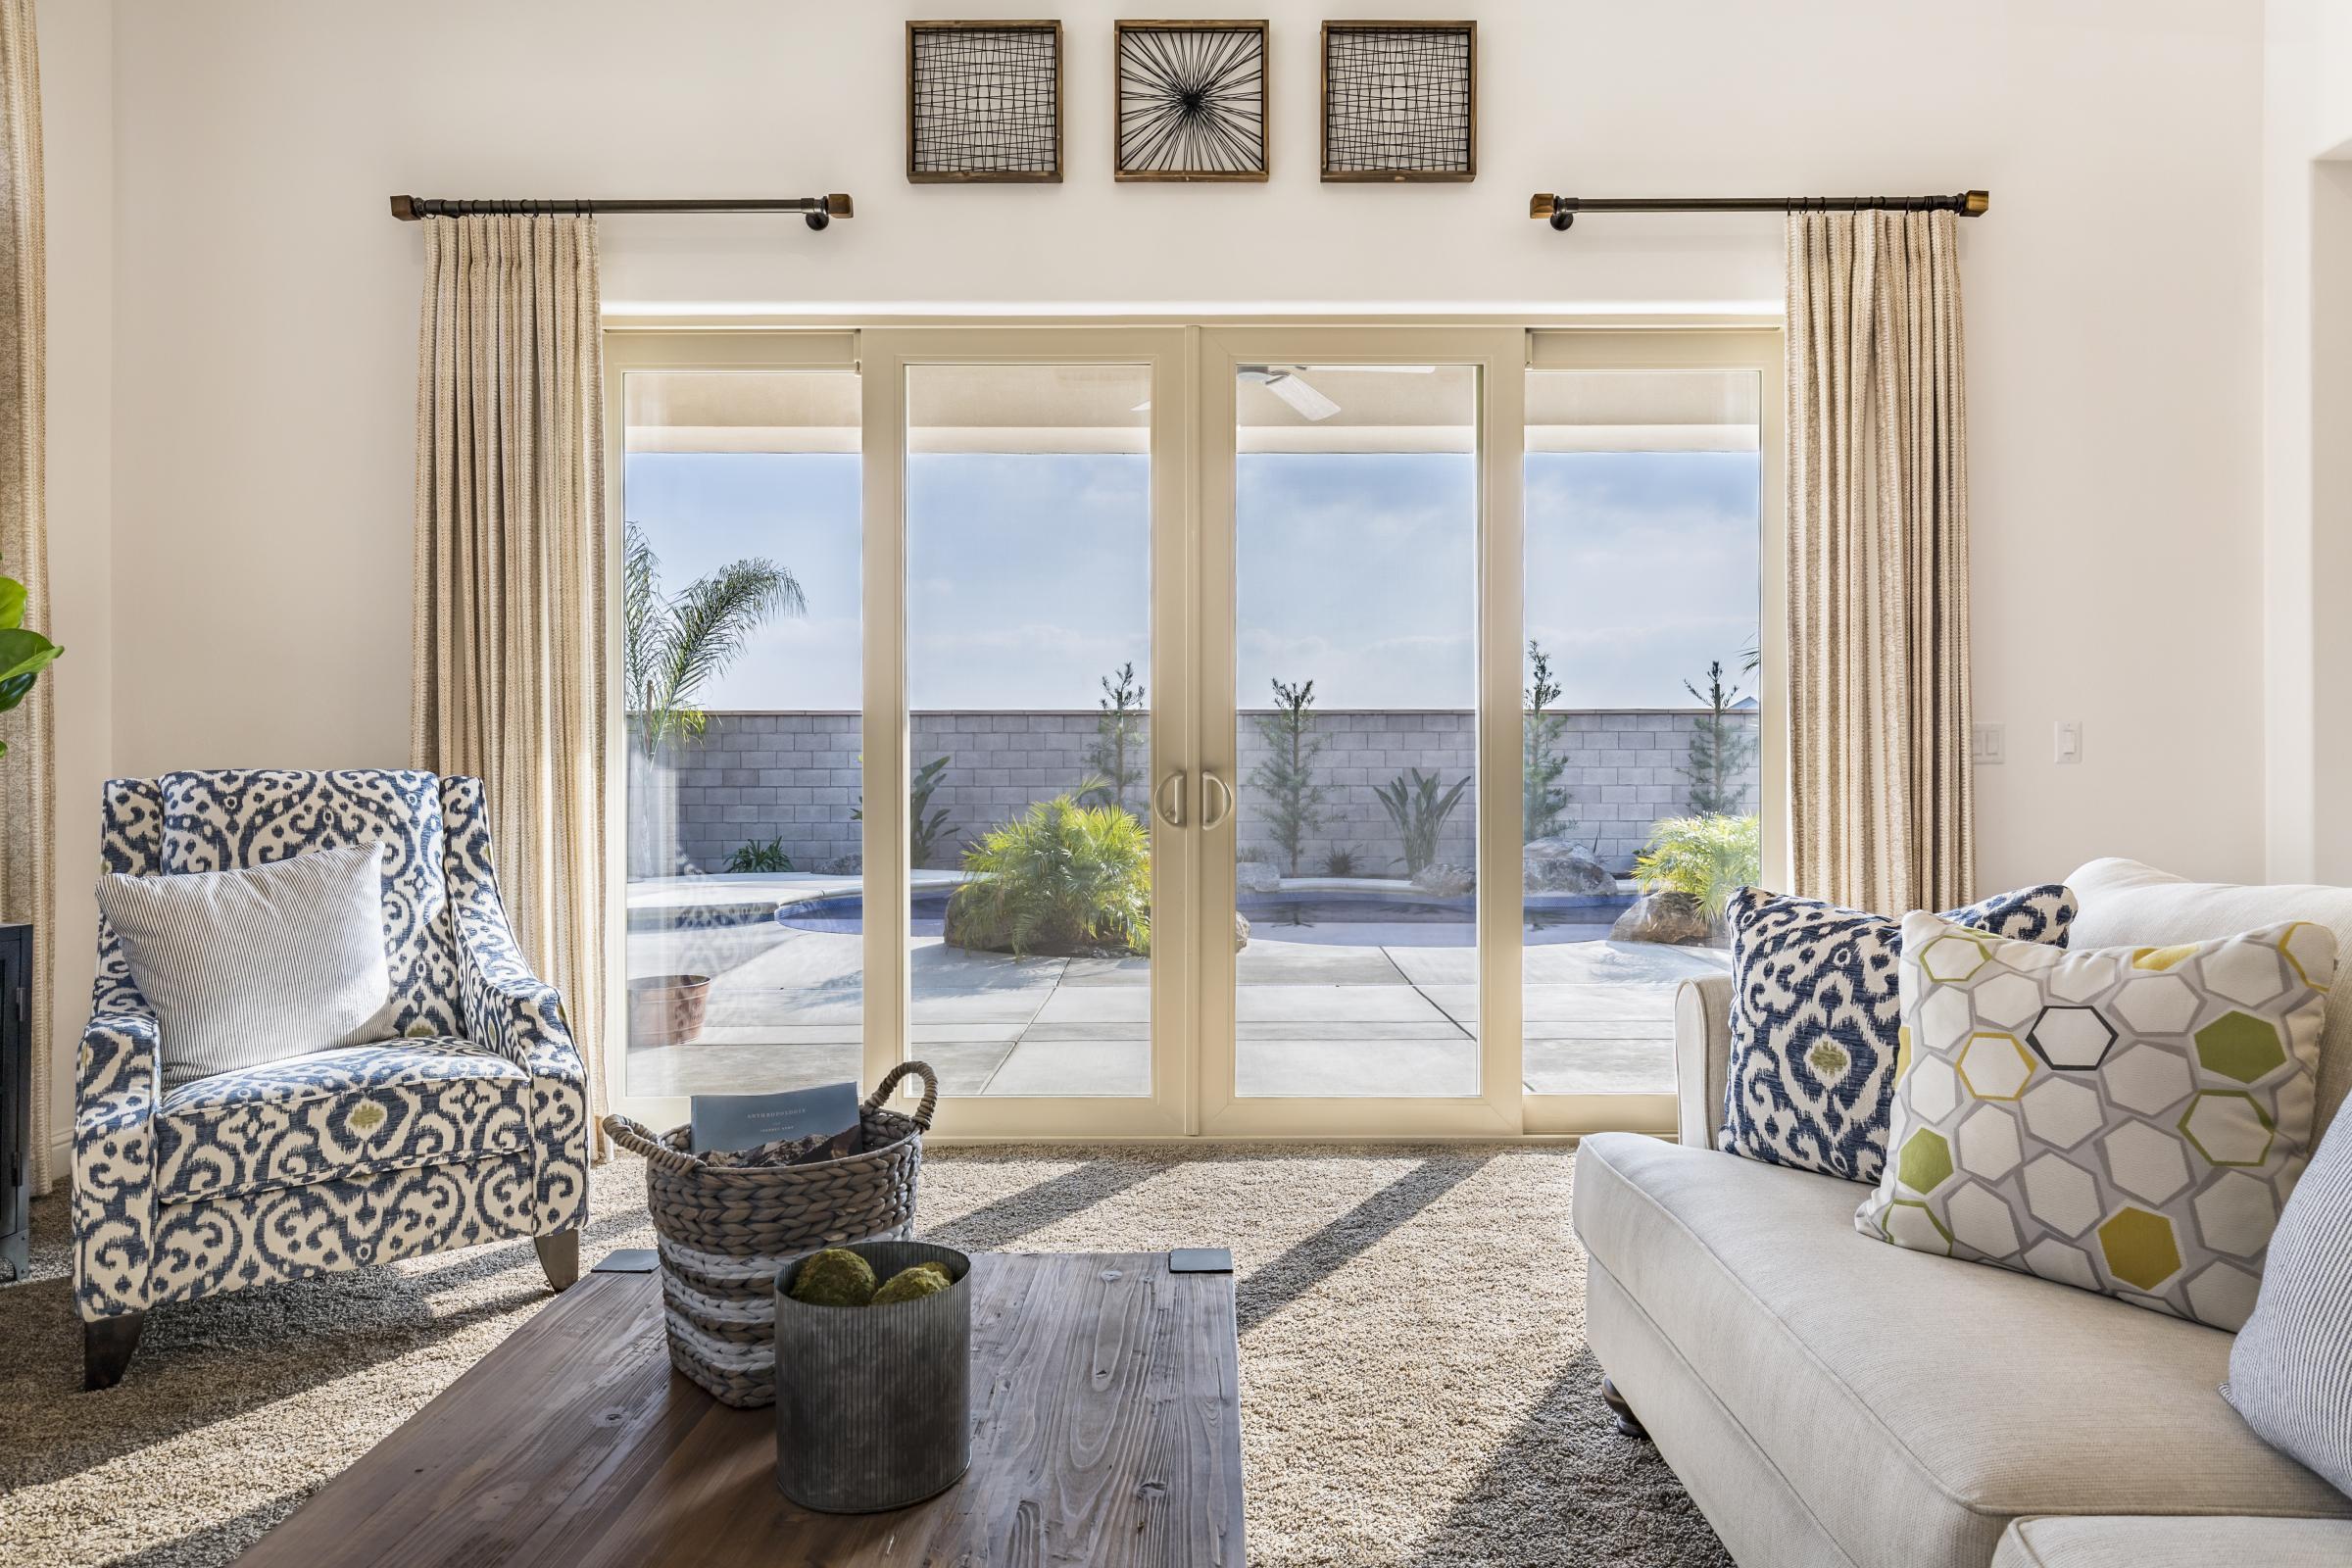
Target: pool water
1323,915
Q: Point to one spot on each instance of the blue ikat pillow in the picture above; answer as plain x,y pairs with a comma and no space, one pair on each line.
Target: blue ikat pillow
1815,1015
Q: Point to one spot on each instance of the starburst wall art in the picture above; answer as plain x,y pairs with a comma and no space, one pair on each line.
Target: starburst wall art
1192,100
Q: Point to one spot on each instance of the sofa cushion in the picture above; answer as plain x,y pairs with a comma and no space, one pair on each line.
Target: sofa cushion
1914,1404
2125,904
2159,1543
1814,1013
338,1113
2121,1119
220,821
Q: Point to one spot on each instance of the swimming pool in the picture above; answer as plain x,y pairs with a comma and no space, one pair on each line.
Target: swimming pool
1339,916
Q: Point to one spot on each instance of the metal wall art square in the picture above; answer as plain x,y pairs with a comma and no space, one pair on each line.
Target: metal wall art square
1400,100
983,101
1192,100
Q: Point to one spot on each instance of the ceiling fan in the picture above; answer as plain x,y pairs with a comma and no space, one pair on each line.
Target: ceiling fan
1289,383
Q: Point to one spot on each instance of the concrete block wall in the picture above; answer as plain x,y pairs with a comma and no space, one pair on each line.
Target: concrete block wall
755,776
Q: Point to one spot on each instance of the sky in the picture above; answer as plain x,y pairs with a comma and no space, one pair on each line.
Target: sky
1028,576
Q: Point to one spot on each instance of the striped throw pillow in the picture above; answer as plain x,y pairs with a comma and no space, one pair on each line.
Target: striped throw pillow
252,966
2290,1372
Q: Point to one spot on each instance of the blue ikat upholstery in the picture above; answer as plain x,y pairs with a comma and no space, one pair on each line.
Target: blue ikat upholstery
472,1127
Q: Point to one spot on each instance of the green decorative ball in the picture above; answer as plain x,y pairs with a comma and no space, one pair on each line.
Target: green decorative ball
834,1277
912,1284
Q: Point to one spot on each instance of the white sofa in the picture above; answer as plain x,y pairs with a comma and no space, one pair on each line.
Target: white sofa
1831,1400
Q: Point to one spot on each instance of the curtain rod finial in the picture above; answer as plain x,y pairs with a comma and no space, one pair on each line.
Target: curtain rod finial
1974,203
404,208
1540,205
838,205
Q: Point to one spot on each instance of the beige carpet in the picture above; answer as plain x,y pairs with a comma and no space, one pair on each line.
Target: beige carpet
1415,1386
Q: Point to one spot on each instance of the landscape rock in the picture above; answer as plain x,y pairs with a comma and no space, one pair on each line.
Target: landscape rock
1240,931
851,865
1673,918
1444,881
1555,865
1256,876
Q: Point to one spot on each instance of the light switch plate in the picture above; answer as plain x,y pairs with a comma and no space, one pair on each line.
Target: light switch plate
1987,744
2065,741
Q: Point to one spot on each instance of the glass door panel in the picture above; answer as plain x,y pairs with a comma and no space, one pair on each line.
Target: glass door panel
1356,507
741,614
1029,771
1641,767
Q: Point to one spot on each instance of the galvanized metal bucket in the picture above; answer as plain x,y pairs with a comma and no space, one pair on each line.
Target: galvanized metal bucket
874,1403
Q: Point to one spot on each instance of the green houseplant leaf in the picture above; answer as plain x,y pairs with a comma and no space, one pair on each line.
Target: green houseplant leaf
23,654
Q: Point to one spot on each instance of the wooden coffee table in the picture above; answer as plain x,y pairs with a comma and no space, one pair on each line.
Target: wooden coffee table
1105,1430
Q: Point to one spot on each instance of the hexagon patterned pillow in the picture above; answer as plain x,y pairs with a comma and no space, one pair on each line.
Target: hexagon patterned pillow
2127,1120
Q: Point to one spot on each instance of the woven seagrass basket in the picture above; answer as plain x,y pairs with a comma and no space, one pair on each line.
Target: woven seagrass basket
726,1231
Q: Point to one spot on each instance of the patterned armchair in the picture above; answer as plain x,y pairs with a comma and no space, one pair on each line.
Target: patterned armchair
472,1127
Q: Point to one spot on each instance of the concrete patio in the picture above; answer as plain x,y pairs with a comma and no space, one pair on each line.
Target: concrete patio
1392,1015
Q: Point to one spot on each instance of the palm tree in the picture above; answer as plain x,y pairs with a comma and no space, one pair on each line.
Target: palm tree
671,646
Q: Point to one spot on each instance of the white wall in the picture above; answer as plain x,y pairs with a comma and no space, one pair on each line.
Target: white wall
2307,397
76,43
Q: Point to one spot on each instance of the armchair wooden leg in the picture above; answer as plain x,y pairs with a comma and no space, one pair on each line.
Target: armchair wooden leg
1627,1422
106,1348
559,1256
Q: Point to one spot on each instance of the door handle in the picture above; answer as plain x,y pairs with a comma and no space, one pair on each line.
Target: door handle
1172,815
1224,809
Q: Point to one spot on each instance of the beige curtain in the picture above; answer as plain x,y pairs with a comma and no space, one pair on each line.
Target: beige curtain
27,779
1882,797
510,592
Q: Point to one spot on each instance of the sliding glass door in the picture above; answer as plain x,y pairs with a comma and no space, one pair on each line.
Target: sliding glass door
1351,495
1241,730
1025,675
737,623
1649,712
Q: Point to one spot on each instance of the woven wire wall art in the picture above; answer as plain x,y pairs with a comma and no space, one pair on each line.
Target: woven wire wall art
1400,100
983,101
1192,100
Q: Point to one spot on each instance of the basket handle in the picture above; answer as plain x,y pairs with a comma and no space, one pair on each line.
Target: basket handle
639,1139
889,1081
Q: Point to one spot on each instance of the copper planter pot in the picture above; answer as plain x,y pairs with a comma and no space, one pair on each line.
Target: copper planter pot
666,1010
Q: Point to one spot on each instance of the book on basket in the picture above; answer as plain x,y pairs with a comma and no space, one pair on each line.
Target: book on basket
823,1119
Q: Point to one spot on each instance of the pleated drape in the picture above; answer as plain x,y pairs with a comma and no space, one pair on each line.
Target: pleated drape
1882,801
27,772
510,591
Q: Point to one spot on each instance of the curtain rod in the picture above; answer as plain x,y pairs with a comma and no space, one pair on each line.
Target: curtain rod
818,210
1561,210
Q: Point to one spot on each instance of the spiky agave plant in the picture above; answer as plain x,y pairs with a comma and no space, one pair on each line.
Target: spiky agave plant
1704,858
1419,808
1059,878
671,646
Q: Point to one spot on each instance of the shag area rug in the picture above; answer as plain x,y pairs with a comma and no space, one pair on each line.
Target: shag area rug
1415,1386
